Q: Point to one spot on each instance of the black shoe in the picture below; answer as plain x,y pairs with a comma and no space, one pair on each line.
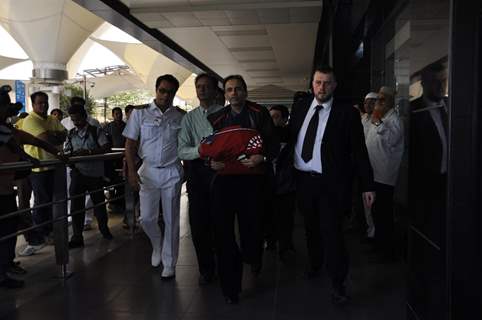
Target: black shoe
76,243
11,283
312,273
232,299
107,235
339,296
14,268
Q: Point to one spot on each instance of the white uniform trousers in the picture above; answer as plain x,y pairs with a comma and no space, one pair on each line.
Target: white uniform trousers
156,187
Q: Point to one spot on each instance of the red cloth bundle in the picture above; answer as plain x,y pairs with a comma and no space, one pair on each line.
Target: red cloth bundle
230,145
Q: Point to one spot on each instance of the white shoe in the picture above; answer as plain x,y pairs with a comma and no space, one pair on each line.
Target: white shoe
30,250
168,273
156,257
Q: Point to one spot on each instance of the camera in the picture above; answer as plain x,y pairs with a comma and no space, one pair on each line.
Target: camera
12,108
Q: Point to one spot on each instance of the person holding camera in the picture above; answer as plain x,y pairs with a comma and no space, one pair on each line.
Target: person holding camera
85,139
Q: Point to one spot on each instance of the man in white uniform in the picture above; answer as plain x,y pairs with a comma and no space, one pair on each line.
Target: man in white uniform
151,133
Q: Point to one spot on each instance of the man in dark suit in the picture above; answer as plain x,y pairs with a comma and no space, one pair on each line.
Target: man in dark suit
329,147
428,154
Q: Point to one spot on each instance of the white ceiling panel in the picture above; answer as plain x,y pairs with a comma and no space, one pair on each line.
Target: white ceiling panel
266,41
253,55
245,41
182,19
270,16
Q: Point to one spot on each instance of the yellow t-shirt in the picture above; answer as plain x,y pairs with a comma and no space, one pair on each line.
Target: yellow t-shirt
19,124
36,125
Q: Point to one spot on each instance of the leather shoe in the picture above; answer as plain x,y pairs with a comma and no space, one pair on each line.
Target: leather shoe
76,243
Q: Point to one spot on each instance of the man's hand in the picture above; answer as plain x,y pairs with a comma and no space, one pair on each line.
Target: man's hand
368,198
62,157
252,161
216,166
134,179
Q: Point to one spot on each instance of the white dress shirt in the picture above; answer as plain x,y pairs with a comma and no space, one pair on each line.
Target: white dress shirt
314,165
385,147
157,133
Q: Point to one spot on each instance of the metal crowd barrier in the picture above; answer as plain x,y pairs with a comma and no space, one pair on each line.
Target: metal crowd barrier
59,203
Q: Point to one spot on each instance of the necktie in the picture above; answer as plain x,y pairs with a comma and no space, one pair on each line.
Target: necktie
310,136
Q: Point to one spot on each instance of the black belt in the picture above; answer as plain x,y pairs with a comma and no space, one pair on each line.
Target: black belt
313,174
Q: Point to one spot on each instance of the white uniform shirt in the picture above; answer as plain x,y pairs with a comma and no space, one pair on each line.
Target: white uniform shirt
385,148
157,134
315,163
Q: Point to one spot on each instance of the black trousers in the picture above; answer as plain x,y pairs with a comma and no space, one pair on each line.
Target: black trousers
80,184
116,178
7,226
284,209
42,186
383,219
322,208
240,197
24,193
199,180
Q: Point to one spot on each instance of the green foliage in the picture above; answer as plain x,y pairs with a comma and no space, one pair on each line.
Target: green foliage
73,90
134,97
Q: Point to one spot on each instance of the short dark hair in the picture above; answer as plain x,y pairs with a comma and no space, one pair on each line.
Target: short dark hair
128,108
299,95
77,109
432,69
57,110
285,113
22,115
235,77
210,77
169,78
36,94
77,101
324,69
116,109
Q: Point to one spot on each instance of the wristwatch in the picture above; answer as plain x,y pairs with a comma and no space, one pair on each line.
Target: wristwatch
377,123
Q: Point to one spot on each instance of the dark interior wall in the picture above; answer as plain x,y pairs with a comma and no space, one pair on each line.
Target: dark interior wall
464,205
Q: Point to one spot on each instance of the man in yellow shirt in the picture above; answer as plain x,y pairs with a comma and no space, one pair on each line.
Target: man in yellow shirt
39,124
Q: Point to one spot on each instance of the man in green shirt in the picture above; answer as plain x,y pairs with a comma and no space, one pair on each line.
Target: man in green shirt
195,127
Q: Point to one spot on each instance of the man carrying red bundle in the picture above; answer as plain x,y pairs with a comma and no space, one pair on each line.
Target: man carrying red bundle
238,191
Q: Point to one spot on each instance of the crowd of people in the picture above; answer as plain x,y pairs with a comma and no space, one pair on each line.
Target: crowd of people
244,165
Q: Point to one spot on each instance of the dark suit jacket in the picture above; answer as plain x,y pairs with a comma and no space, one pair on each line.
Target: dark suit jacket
425,144
343,151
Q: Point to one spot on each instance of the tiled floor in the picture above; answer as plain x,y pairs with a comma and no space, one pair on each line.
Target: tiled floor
114,280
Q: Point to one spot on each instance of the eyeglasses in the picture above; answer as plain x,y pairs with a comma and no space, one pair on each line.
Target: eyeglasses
165,91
